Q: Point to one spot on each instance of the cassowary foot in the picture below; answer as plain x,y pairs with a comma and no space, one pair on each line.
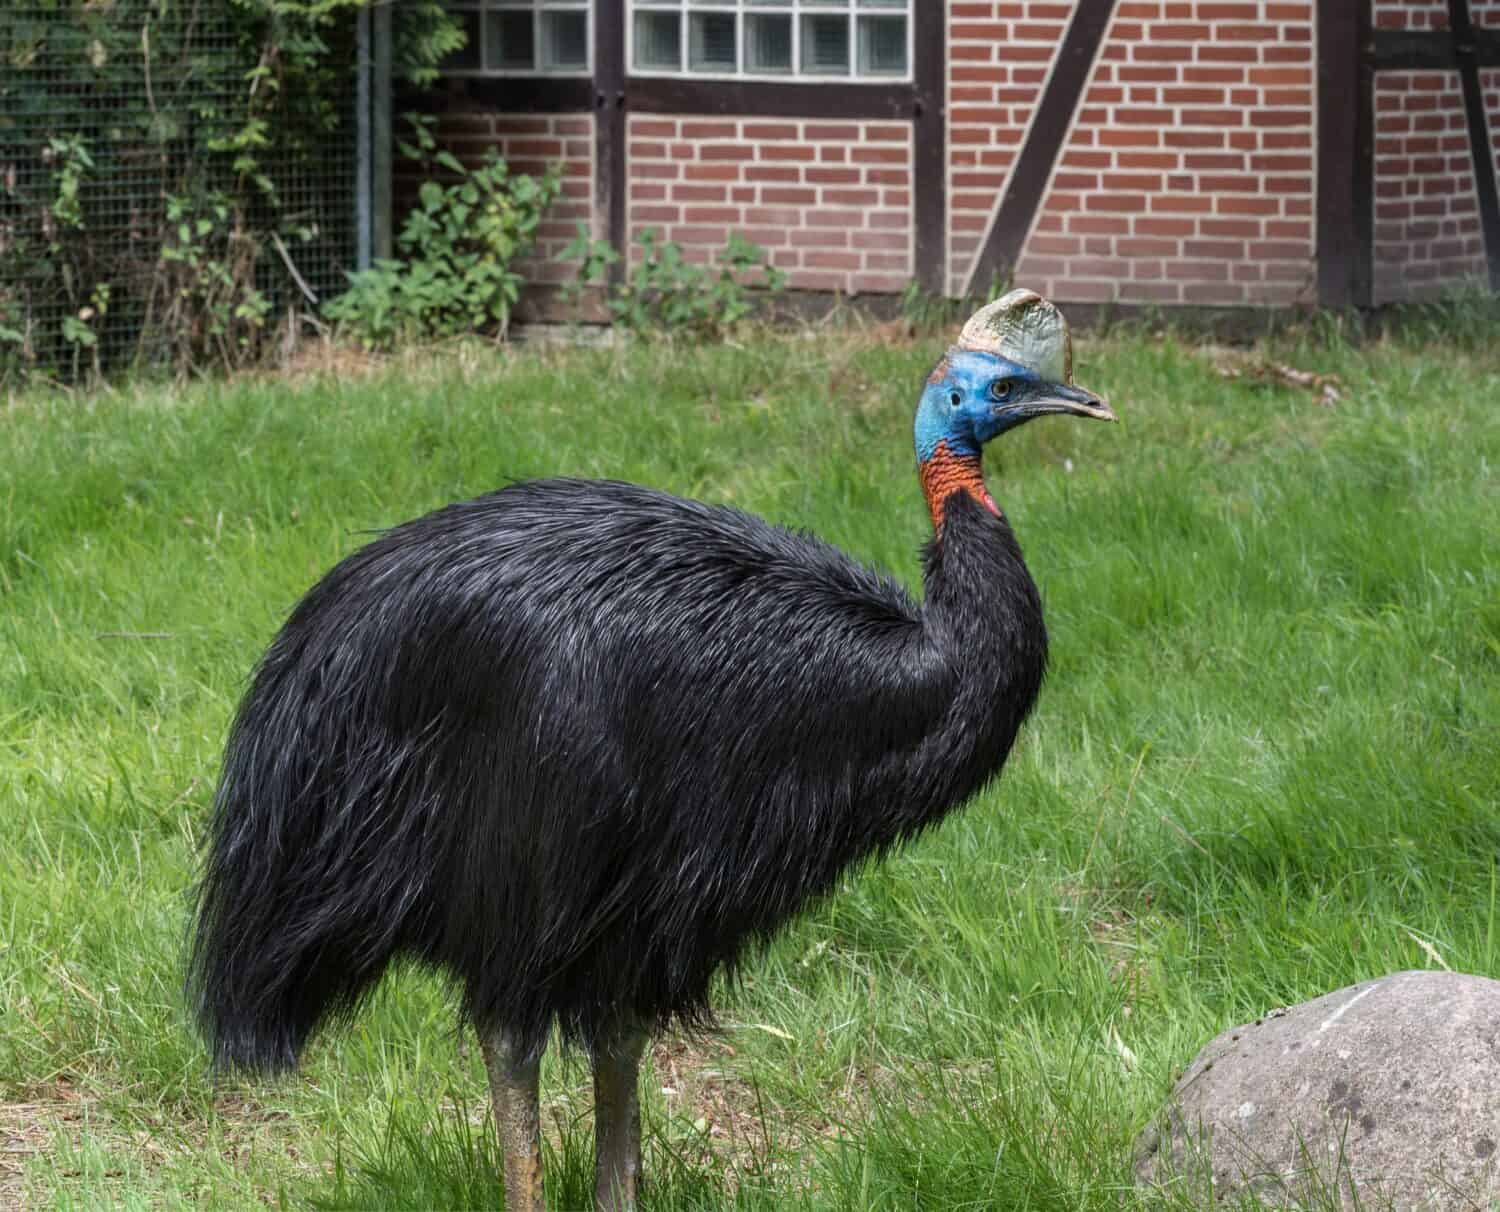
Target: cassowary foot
617,1122
518,1120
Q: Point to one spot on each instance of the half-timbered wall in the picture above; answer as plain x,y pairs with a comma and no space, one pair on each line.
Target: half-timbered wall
1192,152
1427,235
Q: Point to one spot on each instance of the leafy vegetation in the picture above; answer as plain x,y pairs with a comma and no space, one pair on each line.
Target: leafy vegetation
663,292
459,242
1263,765
148,211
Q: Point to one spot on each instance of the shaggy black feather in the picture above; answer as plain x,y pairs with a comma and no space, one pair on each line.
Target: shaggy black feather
576,743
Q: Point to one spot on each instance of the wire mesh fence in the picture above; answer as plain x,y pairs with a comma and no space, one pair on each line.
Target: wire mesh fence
176,179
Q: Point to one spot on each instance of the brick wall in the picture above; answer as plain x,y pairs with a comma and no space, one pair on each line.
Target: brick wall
529,143
1188,176
1427,232
830,201
1410,14
999,54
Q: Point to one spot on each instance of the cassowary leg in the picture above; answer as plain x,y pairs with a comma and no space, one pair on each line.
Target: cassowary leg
518,1120
617,1121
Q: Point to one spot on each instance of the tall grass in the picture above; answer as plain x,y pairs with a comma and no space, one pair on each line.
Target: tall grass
1264,765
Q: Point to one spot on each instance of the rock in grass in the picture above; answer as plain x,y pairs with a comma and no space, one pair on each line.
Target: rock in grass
1390,1089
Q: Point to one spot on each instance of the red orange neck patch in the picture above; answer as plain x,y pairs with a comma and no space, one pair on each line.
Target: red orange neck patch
946,473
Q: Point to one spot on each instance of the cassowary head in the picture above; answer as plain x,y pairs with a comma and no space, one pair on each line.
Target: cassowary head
1013,361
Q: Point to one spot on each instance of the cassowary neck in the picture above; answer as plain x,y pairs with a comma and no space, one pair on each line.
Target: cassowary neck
983,613
945,472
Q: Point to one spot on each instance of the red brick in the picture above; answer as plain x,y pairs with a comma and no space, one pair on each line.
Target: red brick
699,193
1098,225
879,155
780,216
1060,246
714,235
1155,225
769,130
1230,250
711,214
1145,246
801,152
1279,117
1230,204
1137,181
727,151
819,237
879,240
709,130
772,172
789,195
821,130
847,219
1237,184
1142,137
851,197
709,172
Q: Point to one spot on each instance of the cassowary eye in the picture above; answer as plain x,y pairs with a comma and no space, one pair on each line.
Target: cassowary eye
955,399
1000,389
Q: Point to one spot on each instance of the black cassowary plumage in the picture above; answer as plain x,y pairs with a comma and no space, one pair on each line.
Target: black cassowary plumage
576,743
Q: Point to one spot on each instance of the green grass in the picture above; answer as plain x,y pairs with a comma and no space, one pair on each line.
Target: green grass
1265,763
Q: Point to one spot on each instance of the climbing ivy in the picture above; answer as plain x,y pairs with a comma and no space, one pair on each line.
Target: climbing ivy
162,171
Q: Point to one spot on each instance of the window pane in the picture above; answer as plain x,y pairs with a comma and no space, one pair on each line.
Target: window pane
768,43
508,40
882,46
711,44
565,40
658,40
466,58
825,44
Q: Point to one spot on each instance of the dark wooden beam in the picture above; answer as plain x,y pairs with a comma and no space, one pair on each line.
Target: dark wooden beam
505,95
760,98
1432,50
1049,128
1362,210
929,155
1481,150
611,180
1339,65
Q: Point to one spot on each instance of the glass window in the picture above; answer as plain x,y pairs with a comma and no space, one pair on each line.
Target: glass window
521,36
813,39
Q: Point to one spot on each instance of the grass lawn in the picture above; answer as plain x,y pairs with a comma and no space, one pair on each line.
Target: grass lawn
1265,764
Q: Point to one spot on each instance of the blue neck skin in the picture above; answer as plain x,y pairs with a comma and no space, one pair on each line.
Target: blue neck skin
965,426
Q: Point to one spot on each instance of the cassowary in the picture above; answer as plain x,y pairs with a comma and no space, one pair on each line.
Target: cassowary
577,743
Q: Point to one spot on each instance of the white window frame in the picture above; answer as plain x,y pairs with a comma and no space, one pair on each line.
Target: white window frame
851,10
537,8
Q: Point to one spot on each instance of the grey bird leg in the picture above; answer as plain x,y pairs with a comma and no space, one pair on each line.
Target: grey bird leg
617,1121
518,1120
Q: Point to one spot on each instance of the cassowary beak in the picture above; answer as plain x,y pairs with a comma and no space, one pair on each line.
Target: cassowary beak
1061,397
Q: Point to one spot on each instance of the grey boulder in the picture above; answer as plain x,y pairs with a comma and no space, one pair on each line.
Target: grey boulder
1382,1095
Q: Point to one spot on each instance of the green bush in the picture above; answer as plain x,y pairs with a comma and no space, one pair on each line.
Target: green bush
458,245
664,292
